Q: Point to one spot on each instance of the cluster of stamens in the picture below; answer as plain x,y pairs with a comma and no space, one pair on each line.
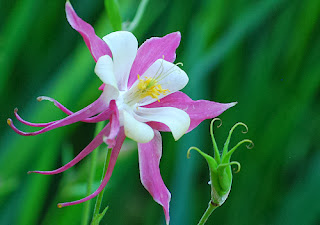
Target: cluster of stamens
150,87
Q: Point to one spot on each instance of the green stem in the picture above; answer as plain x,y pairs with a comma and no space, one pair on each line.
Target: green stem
211,207
97,216
93,166
135,22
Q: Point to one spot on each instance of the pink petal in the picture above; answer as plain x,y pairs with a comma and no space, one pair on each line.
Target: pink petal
109,138
92,146
114,155
149,159
92,109
151,50
197,110
95,44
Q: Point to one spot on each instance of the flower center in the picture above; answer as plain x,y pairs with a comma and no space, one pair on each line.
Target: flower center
150,87
146,87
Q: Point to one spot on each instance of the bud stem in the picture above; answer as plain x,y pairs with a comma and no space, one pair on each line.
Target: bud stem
211,207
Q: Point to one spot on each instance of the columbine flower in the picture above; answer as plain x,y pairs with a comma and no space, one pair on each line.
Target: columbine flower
140,97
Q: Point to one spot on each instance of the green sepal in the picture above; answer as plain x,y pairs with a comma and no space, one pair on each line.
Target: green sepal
211,161
214,143
113,12
225,178
220,165
226,144
227,156
219,176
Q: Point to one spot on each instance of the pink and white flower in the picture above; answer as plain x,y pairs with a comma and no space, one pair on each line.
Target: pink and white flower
140,97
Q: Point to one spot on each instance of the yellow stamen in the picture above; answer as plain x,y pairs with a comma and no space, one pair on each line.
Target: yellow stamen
149,87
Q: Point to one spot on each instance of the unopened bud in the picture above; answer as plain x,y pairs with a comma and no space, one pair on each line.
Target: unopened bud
220,165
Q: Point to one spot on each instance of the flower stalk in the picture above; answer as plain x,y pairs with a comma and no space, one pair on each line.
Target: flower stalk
211,207
220,169
97,216
93,166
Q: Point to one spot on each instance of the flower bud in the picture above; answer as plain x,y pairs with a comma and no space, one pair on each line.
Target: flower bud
220,165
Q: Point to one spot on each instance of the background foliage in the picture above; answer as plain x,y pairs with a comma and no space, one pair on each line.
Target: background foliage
264,54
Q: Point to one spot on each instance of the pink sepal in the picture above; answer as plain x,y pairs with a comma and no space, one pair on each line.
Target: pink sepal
95,44
197,110
149,159
114,155
151,50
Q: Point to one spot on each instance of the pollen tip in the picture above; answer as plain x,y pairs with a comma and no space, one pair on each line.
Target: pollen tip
39,99
15,110
59,205
29,172
9,121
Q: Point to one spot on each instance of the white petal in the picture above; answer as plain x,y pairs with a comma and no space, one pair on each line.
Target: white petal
176,119
138,131
104,70
123,46
168,75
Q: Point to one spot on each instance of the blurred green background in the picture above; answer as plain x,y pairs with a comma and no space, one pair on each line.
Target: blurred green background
262,53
